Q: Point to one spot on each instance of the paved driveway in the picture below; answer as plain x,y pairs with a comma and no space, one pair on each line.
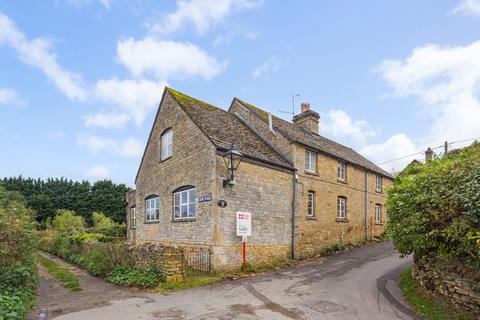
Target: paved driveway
345,286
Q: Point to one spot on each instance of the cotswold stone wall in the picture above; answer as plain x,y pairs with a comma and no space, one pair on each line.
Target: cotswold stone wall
323,229
459,290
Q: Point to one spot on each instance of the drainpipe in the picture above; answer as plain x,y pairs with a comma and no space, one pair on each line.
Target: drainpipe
366,205
294,189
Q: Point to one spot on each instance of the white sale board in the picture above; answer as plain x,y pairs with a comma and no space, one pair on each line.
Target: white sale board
244,224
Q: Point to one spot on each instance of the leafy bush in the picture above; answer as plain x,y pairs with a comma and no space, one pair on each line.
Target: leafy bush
434,208
131,276
68,221
18,274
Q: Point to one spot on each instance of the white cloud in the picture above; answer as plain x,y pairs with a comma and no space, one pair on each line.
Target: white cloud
267,68
129,147
106,120
97,172
202,14
226,38
468,7
135,97
447,82
397,146
339,124
37,53
166,59
8,96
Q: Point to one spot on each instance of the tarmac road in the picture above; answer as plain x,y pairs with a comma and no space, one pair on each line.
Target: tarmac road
359,284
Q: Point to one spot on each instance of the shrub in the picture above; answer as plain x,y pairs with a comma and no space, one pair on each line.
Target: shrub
67,221
18,274
434,209
131,276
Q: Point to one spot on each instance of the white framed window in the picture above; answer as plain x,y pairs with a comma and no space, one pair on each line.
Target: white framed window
311,204
378,183
133,218
378,213
184,204
341,171
341,208
310,161
152,209
167,144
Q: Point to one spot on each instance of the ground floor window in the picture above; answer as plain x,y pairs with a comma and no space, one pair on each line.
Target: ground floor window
341,207
184,204
311,204
133,217
378,213
152,208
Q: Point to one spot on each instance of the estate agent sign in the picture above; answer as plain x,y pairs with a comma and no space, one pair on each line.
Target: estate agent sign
244,224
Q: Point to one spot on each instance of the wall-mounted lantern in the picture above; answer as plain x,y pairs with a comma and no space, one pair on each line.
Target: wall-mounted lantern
232,159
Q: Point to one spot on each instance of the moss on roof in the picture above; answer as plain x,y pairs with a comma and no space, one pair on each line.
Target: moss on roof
224,128
187,101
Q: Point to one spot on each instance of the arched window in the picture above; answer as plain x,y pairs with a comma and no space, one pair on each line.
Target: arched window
166,149
152,208
184,207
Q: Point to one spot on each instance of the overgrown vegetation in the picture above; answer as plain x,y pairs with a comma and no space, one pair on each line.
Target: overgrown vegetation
428,306
139,277
62,274
434,210
18,274
46,197
96,249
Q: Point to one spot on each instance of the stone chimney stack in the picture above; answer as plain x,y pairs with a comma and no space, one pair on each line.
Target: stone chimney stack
429,154
307,119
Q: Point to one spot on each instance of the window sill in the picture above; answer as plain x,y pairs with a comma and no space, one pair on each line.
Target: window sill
133,228
379,191
152,222
167,158
311,173
311,218
184,220
342,181
379,223
341,220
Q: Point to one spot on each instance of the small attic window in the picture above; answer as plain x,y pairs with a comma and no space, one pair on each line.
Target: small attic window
167,144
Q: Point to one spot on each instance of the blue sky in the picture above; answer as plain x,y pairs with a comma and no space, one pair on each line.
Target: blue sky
80,80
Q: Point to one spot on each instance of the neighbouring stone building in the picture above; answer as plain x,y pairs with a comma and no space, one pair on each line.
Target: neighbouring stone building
304,191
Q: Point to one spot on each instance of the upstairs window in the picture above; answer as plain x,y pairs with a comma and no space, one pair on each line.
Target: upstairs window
341,208
133,217
378,213
184,204
311,204
152,209
167,144
341,171
310,161
378,183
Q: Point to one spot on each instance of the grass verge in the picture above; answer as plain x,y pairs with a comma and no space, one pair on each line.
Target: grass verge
62,274
425,304
191,283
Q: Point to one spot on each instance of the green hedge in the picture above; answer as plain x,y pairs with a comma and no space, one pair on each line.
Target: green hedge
434,209
18,273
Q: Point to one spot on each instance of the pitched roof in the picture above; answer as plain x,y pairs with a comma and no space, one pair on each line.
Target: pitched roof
294,133
224,128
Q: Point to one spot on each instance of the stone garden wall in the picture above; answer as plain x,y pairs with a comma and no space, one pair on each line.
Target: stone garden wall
458,289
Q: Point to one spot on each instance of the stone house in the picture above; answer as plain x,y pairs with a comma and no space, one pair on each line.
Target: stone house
304,191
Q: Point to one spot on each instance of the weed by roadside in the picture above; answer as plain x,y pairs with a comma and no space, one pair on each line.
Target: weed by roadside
192,282
131,276
62,274
428,306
